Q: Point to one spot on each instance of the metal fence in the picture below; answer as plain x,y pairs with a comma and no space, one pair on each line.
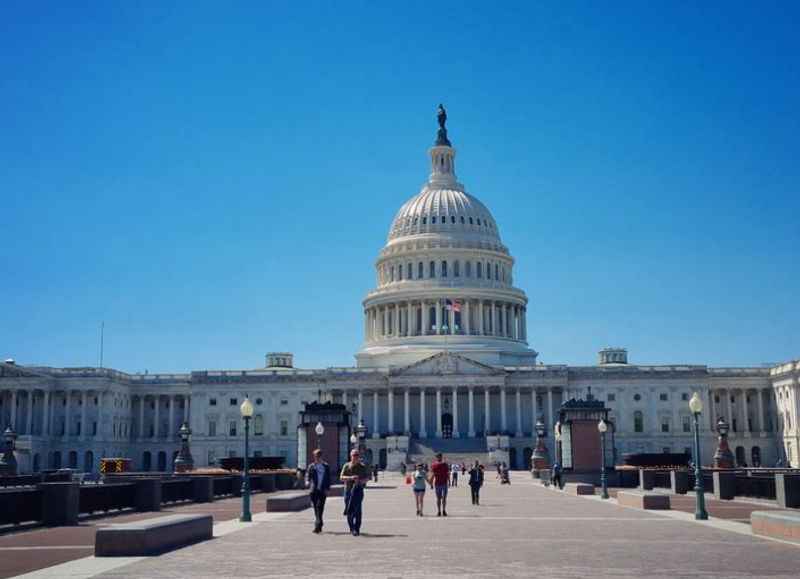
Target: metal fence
176,490
107,497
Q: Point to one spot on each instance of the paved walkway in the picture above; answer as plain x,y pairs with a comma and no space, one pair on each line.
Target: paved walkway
523,530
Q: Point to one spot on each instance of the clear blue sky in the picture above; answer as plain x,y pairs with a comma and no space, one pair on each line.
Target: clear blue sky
215,180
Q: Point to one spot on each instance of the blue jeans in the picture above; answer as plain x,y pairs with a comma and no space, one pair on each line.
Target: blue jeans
353,498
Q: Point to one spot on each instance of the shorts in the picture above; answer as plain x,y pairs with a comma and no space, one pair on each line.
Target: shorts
419,491
441,491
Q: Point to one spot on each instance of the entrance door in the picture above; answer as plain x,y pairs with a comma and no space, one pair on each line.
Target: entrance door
447,425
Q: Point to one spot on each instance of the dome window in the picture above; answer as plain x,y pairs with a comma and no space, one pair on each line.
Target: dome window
479,220
496,273
479,268
424,220
432,269
444,219
400,272
453,219
456,269
415,220
462,220
391,277
470,221
410,271
468,269
433,219
444,269
420,270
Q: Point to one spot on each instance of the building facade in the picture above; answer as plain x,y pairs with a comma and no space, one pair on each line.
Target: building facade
445,364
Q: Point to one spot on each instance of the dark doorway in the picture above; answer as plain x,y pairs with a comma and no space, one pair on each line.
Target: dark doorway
512,458
56,463
162,461
527,453
447,425
755,456
73,459
741,457
88,461
147,461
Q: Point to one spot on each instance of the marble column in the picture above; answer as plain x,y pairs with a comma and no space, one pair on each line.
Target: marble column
360,406
423,428
426,318
29,417
385,331
14,410
495,328
503,416
465,318
171,423
746,410
396,327
410,320
157,420
46,415
375,426
83,415
534,410
142,402
550,420
712,410
471,419
344,399
760,410
406,412
438,413
480,318
487,417
456,433
730,408
438,317
519,413
185,419
390,407
451,318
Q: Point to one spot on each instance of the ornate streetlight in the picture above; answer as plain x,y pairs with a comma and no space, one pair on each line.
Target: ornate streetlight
539,459
184,461
361,433
696,407
246,410
723,458
8,462
557,434
602,427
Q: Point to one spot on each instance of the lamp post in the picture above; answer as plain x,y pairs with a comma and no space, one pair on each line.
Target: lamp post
557,435
8,462
184,461
539,459
602,427
361,433
246,410
723,458
696,407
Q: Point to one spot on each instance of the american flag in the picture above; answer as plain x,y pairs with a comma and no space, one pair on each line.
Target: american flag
454,305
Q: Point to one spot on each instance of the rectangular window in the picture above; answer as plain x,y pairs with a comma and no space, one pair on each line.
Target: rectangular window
78,430
686,421
212,428
212,458
479,268
234,401
232,428
663,397
420,270
94,428
665,427
685,396
284,427
444,269
284,402
212,402
611,397
258,425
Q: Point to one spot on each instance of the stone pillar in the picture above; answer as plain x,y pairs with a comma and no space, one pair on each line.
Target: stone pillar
385,331
471,418
746,411
423,428
438,413
494,320
406,412
396,327
410,320
519,413
550,420
390,406
524,323
456,433
157,420
451,318
185,410
83,415
67,412
142,402
487,417
14,410
503,415
438,316
465,321
29,417
712,410
534,410
730,408
760,410
426,318
171,423
360,406
344,398
46,415
481,329
375,427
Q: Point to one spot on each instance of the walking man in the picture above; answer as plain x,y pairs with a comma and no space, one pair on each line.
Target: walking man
476,482
355,475
440,477
319,481
454,470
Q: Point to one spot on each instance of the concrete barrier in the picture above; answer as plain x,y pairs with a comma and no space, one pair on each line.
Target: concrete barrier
643,500
288,501
60,503
202,489
152,536
724,485
787,490
679,481
148,494
579,489
777,524
647,479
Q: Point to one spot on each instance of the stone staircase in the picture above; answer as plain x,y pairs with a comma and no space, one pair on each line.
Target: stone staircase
455,450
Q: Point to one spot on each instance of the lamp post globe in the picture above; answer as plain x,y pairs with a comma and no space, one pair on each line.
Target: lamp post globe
319,429
602,428
723,457
246,409
696,408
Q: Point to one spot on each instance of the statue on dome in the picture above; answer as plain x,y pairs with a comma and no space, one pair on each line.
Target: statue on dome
441,136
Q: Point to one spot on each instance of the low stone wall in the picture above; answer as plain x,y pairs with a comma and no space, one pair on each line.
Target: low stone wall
152,536
643,500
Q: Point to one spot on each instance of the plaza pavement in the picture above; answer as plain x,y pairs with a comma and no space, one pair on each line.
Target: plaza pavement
522,530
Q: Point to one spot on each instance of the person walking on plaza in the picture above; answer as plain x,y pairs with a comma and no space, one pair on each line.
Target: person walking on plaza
355,475
420,480
476,482
318,476
375,472
454,470
440,477
555,478
403,468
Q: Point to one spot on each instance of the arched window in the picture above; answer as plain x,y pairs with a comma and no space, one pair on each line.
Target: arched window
468,269
420,270
444,269
424,220
456,269
400,272
410,271
462,219
470,220
432,269
479,220
496,273
638,421
452,219
479,268
391,275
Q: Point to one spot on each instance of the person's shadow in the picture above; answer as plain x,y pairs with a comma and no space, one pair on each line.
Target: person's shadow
369,535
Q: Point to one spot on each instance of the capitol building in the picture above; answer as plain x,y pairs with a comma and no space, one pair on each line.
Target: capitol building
447,363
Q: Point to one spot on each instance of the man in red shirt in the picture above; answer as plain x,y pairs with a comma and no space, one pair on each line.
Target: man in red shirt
440,476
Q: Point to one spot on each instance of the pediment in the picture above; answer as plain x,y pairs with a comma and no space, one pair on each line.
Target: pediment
446,363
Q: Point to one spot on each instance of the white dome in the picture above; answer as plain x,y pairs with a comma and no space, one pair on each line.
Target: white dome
444,211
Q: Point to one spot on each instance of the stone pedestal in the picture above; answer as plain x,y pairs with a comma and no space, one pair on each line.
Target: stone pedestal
787,490
148,494
60,503
724,485
679,481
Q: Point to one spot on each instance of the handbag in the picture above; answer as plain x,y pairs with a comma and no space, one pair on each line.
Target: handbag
408,479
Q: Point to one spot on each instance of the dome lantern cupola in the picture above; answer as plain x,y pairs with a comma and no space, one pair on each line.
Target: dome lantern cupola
443,155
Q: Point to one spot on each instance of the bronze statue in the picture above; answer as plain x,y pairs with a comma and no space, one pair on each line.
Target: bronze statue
441,135
441,114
